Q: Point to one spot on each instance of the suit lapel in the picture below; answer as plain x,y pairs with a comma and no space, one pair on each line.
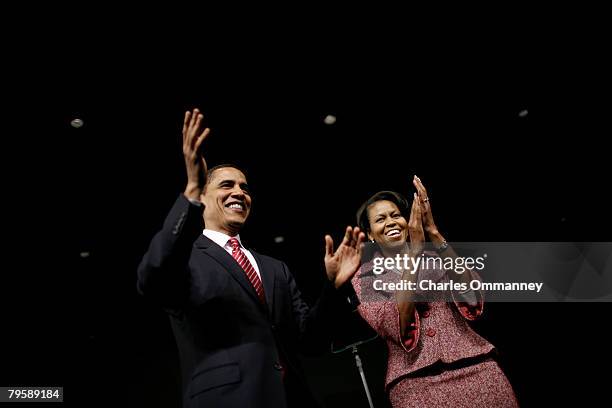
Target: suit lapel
229,263
267,279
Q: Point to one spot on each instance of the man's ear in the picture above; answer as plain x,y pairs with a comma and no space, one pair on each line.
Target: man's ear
370,237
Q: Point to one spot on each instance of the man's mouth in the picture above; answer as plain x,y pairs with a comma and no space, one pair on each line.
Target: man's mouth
236,206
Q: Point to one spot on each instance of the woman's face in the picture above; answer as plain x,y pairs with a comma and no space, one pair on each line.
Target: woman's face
387,225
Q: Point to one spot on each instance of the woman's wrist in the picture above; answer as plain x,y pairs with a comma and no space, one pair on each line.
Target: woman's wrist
435,237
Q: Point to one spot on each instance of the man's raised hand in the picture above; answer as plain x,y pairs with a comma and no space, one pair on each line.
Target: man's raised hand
193,136
342,264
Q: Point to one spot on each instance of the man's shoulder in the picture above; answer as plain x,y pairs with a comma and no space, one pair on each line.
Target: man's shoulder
269,260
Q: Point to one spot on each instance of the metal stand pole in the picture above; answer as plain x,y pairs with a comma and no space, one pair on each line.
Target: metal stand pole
363,379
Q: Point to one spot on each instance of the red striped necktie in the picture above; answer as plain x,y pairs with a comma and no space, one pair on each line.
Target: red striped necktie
248,268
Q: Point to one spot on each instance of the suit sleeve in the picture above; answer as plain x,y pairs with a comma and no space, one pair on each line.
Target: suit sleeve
315,324
163,272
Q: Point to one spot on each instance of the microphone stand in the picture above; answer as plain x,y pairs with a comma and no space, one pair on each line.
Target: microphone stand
363,379
355,350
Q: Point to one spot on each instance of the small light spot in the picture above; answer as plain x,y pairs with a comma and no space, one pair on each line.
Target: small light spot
85,254
329,120
562,219
76,123
523,113
279,239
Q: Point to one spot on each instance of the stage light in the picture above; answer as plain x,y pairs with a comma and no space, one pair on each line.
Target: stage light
76,123
523,113
84,254
329,120
279,239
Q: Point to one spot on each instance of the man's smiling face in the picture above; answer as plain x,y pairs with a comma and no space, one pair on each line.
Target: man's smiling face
227,200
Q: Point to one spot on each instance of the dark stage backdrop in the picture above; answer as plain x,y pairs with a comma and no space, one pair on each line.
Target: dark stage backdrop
508,143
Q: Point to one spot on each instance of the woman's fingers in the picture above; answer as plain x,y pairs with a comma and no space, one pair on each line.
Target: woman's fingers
415,204
418,184
421,186
417,209
426,216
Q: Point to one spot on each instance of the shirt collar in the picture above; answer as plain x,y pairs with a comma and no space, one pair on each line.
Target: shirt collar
220,238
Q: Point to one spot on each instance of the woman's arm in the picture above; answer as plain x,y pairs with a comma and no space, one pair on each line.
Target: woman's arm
470,303
405,298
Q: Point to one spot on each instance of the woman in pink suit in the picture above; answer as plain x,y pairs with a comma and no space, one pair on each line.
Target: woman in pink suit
435,358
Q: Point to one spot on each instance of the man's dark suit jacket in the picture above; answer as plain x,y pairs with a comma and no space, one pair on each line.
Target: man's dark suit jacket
232,348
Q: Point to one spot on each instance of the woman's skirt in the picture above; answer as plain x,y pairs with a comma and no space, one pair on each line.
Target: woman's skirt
476,385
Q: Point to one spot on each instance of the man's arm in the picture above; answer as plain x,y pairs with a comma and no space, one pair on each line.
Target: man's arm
162,273
315,324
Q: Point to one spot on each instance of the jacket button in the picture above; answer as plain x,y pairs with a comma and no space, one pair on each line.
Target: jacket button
430,332
278,366
426,313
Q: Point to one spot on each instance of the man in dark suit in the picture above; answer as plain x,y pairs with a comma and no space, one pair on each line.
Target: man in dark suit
237,316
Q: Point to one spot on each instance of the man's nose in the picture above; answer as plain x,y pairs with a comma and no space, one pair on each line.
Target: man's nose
237,192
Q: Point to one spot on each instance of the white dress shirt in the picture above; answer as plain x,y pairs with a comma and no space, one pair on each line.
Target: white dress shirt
222,239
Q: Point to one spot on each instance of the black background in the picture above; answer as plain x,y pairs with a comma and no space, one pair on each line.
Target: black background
441,101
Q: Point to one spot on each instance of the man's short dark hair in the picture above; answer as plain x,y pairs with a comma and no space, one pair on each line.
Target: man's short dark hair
220,166
362,214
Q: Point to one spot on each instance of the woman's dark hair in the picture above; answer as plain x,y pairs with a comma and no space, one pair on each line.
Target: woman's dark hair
362,214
